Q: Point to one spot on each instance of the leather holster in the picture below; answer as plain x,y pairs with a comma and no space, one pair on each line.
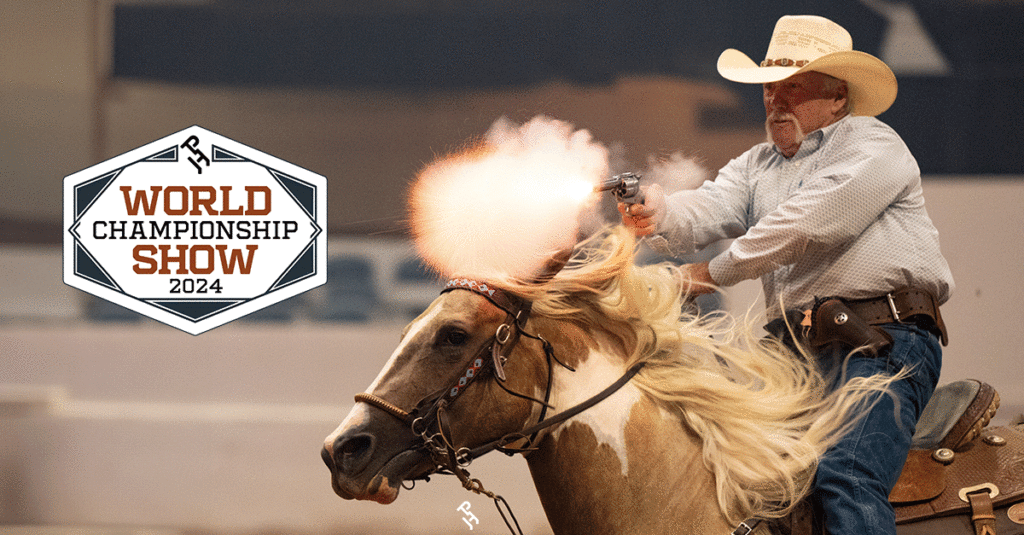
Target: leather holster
832,321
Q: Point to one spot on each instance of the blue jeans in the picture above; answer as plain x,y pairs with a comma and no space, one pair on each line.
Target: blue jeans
851,488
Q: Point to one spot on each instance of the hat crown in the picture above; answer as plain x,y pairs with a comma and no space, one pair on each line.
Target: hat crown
803,43
805,38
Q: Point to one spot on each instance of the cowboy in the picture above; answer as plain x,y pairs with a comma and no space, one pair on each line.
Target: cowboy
830,206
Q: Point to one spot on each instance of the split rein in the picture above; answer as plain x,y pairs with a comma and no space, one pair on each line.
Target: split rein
432,411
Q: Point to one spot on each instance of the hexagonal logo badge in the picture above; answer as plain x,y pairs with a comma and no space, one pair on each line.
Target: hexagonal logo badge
195,230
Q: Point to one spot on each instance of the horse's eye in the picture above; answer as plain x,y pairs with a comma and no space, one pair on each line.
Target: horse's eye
455,337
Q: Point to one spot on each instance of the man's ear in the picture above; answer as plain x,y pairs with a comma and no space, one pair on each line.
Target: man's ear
842,94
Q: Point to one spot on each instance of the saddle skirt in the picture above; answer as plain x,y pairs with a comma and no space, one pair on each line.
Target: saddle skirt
953,418
984,480
959,467
959,478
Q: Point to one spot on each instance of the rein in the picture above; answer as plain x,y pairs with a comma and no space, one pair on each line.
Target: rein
432,410
561,417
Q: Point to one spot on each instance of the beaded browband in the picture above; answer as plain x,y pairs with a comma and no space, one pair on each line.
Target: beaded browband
501,299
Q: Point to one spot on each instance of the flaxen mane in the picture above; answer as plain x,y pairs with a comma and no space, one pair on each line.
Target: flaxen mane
764,414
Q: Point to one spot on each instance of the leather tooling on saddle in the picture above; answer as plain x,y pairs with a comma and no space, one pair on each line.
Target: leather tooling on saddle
959,477
958,467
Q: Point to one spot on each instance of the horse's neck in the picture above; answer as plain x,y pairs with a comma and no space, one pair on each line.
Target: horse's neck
623,466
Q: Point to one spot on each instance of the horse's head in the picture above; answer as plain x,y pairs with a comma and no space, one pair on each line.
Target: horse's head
445,390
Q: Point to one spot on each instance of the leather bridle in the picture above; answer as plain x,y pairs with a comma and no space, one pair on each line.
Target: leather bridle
429,419
491,357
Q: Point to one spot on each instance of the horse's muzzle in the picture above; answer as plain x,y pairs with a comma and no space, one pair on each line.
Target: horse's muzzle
349,455
366,468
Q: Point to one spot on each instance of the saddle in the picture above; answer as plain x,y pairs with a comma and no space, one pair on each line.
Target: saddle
959,477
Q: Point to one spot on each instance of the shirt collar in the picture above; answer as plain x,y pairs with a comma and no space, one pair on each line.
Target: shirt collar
814,140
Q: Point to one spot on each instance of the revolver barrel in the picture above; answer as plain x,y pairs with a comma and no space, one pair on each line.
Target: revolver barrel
625,188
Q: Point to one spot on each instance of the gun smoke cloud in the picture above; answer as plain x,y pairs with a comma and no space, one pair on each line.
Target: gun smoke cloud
501,208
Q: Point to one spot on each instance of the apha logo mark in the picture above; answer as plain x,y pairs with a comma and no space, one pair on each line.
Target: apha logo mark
195,230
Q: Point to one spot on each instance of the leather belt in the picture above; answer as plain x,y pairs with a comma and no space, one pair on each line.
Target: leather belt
909,305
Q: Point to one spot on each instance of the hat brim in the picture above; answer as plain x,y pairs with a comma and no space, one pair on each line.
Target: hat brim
871,82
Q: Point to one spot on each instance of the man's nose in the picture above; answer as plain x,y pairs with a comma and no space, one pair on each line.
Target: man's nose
776,101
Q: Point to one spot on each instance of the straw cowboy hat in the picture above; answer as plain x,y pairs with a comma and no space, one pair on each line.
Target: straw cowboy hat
803,43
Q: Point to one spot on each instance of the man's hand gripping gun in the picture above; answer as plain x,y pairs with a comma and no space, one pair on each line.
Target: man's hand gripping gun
625,188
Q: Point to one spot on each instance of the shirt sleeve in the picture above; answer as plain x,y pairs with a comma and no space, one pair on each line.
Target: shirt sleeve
862,173
715,211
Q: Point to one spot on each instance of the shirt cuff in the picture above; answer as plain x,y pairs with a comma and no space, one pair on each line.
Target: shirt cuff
676,237
724,272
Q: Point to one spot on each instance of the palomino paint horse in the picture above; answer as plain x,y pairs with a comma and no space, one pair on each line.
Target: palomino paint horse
709,431
649,421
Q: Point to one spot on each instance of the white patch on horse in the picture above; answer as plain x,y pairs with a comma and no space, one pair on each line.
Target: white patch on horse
410,335
360,411
608,418
356,416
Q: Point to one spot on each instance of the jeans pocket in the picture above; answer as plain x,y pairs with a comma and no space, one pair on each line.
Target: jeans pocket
920,352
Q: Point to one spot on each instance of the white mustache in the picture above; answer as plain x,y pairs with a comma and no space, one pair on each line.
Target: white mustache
781,116
799,135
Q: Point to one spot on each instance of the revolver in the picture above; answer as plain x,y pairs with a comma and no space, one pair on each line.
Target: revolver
625,188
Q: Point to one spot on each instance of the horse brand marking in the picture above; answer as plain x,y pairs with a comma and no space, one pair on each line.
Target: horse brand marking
464,508
195,230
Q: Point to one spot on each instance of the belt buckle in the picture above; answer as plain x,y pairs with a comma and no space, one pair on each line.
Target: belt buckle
892,308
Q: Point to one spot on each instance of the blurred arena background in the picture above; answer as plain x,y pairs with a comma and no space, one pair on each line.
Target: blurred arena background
113,423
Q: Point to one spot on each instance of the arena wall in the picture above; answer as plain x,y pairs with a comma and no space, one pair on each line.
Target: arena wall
142,425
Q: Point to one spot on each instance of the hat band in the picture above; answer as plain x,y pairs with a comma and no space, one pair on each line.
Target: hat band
784,62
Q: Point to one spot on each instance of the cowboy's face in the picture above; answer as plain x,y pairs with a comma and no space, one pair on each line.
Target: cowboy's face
801,104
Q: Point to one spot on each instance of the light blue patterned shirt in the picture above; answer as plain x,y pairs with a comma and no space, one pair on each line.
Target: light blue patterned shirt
844,216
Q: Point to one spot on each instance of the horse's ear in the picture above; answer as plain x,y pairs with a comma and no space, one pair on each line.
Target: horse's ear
553,266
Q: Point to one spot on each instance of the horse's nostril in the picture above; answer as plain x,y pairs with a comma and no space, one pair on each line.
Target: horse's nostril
352,453
325,454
